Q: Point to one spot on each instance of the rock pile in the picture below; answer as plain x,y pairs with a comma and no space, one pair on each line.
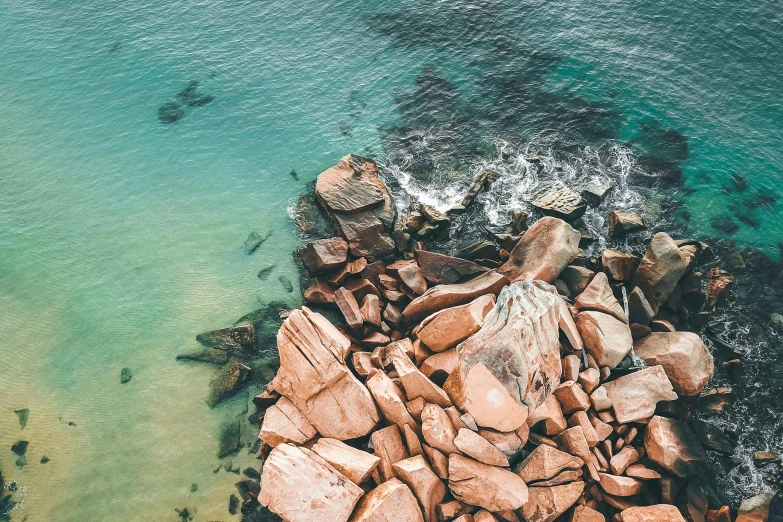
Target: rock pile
457,392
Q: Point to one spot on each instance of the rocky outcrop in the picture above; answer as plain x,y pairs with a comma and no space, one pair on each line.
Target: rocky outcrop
660,269
543,252
687,362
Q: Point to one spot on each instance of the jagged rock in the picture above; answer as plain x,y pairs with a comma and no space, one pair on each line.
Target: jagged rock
387,445
660,269
355,464
543,252
717,283
438,430
300,486
545,462
607,339
447,328
551,413
586,514
620,461
514,360
620,266
656,513
712,437
227,381
481,181
642,472
412,276
762,458
492,488
284,424
634,396
236,337
639,310
318,292
482,250
474,445
440,365
545,504
425,484
554,199
622,222
446,296
209,356
390,400
510,443
594,194
688,363
576,278
347,304
451,509
518,222
22,415
755,509
359,204
620,486
598,297
324,255
390,501
445,270
415,383
253,241
672,444
314,376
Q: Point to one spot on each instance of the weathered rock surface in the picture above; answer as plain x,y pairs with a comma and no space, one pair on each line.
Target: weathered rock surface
438,430
622,222
656,513
390,400
314,376
428,488
555,199
545,462
233,338
446,270
388,446
598,297
594,194
543,252
447,328
392,501
606,338
227,381
490,487
359,204
324,255
355,464
301,487
639,310
635,396
440,365
660,269
620,266
672,444
447,296
576,278
474,445
547,503
755,509
717,283
284,423
687,362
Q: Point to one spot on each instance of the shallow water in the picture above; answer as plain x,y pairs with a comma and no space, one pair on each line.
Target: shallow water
120,236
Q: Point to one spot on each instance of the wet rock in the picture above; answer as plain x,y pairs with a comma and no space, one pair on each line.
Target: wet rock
447,328
22,415
209,356
755,509
227,381
660,270
125,375
717,283
620,266
576,278
598,297
20,447
545,504
446,296
253,241
170,112
233,505
391,500
518,222
674,446
762,458
605,338
45,459
688,363
656,513
229,442
236,337
725,224
300,486
712,437
594,194
446,270
311,219
554,199
639,310
492,488
634,396
324,255
265,272
622,222
483,250
543,252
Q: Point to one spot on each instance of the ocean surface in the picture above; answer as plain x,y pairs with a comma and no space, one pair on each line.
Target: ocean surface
121,235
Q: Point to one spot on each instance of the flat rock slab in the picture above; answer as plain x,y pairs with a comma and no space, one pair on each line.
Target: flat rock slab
445,270
554,199
355,464
300,486
490,487
634,396
543,252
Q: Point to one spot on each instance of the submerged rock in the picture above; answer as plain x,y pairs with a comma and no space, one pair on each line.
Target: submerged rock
229,438
125,375
20,447
311,219
227,381
170,112
209,356
286,284
265,272
242,336
253,241
22,415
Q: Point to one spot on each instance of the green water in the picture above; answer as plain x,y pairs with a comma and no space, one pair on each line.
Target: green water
120,236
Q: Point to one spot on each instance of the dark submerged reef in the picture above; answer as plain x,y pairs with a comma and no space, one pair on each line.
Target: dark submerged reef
189,97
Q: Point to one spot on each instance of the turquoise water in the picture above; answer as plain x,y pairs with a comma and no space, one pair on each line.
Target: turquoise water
120,236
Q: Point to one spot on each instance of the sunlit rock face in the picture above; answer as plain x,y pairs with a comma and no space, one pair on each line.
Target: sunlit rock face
512,363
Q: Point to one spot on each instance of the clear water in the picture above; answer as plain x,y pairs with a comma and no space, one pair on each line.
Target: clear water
120,237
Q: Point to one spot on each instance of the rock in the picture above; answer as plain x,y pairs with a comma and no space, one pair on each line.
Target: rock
656,513
543,252
482,250
446,296
620,461
620,486
620,266
672,444
571,397
440,365
170,112
622,222
717,283
492,488
227,381
474,445
607,339
660,270
350,268
20,447
438,430
347,304
390,501
435,216
687,362
286,283
300,486
634,396
546,504
447,328
412,276
497,374
551,413
311,219
481,181
415,383
510,443
755,509
425,484
594,194
314,376
390,400
359,204
230,436
554,199
518,222
253,241
451,509
545,462
319,292
576,278
236,337
641,472
209,356
445,270
712,437
125,375
762,458
387,445
22,415
285,424
355,464
586,514
324,255
590,379
639,310
598,297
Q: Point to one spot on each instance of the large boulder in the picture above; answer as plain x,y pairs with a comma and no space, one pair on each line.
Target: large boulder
673,445
555,199
489,487
598,296
755,509
684,357
606,338
392,500
543,252
300,486
445,270
514,360
323,255
660,269
314,376
359,204
447,328
446,296
634,396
